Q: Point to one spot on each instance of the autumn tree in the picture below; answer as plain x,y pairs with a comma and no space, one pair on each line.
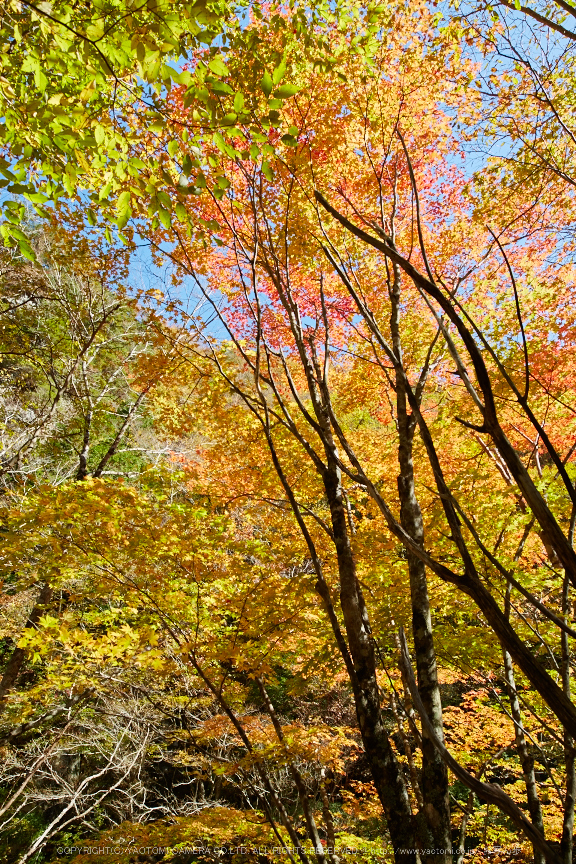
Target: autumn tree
291,317
77,362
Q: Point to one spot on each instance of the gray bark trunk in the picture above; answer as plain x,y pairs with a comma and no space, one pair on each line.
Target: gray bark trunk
526,759
566,843
434,824
386,771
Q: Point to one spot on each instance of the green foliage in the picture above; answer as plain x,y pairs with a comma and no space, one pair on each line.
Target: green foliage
19,833
70,71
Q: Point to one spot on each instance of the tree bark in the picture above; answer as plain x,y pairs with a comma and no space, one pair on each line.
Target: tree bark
526,759
16,661
490,792
297,777
386,771
433,822
567,842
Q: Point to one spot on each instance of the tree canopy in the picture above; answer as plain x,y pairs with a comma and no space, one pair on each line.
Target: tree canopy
288,534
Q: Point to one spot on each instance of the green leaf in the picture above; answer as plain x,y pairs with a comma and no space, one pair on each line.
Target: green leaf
105,191
219,141
181,212
266,84
218,67
164,199
19,235
40,80
123,200
279,71
164,217
238,102
14,218
285,91
95,31
187,165
19,189
27,252
6,172
99,134
37,197
123,218
267,171
221,87
172,147
289,140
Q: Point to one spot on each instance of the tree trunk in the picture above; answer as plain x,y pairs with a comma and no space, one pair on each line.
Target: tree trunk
566,843
16,661
434,829
526,759
386,771
434,824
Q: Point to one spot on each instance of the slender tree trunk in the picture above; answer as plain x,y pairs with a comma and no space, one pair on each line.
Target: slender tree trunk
328,820
414,778
120,434
16,661
297,777
566,843
435,827
468,811
358,652
82,472
434,823
526,760
386,771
